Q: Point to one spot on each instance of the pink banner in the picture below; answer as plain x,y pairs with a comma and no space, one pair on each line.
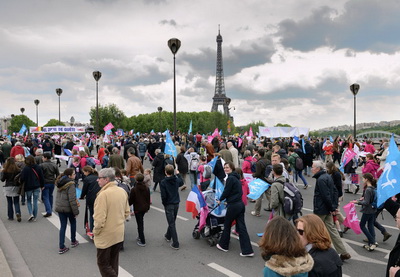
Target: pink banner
351,220
209,139
251,132
216,133
109,126
240,141
348,156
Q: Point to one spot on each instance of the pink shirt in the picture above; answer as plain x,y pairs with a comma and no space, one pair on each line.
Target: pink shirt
245,190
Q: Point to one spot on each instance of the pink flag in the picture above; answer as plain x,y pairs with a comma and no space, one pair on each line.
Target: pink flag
348,156
209,139
240,141
251,132
245,134
109,126
351,220
216,133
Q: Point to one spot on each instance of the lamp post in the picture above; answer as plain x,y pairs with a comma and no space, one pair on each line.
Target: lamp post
5,125
37,111
97,76
72,120
159,116
59,92
174,45
22,110
354,89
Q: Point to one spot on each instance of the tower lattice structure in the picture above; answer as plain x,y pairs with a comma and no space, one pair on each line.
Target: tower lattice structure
219,95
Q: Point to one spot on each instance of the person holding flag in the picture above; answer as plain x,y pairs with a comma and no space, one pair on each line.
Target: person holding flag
235,212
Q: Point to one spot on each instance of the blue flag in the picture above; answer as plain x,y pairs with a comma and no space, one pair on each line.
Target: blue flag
152,131
219,188
170,146
388,182
331,138
23,129
213,162
220,132
303,143
190,127
257,187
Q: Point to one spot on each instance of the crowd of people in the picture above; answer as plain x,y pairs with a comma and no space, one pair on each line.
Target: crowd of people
292,245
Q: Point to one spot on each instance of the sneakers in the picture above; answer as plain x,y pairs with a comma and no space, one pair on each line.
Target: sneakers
167,239
19,217
247,255
31,218
366,240
370,247
222,249
305,187
386,235
63,250
47,215
141,244
174,247
254,213
345,229
357,189
345,256
74,244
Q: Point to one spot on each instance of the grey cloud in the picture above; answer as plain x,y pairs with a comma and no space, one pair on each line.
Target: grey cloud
168,22
367,25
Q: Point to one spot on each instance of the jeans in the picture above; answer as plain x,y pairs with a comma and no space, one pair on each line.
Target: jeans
171,211
300,174
63,221
35,194
108,260
47,196
140,226
235,211
368,219
10,211
192,178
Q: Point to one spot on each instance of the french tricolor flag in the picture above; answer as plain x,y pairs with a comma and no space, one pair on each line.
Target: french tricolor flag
196,204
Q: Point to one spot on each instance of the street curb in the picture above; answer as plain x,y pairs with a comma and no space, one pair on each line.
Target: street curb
11,263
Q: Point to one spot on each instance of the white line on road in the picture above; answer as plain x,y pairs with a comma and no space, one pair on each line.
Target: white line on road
54,219
161,210
123,273
223,270
252,243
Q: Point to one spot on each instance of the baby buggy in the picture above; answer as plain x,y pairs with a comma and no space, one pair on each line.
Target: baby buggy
214,222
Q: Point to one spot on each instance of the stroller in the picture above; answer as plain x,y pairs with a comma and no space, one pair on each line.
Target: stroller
214,223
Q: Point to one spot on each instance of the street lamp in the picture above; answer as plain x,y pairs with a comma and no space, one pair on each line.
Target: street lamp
354,89
5,125
59,92
159,114
22,110
97,76
174,45
72,120
37,111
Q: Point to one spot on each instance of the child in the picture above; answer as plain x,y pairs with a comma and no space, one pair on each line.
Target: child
76,161
140,199
105,159
245,191
204,183
147,177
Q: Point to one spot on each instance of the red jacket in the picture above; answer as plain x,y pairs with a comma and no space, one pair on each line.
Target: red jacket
328,149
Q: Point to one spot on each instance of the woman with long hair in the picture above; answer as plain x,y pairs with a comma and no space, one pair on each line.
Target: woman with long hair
315,238
281,248
66,207
368,210
32,176
235,211
8,174
371,166
89,191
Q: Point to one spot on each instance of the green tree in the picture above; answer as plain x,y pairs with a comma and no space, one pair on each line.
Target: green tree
17,122
282,125
54,122
109,113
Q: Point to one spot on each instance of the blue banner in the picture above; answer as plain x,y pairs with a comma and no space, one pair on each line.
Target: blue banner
257,187
170,146
190,127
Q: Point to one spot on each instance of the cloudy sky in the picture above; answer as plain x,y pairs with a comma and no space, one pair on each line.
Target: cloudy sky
289,61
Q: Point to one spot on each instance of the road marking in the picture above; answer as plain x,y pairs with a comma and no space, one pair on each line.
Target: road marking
123,273
223,270
161,210
344,275
358,257
252,243
54,219
362,244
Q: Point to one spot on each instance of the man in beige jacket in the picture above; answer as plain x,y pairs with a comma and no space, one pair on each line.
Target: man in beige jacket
111,209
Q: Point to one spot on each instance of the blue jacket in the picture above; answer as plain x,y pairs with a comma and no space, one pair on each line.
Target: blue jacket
325,194
169,189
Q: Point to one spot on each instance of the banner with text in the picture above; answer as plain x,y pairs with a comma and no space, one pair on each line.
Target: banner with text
57,129
282,132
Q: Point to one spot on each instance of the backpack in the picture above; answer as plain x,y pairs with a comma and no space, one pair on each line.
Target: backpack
90,162
207,171
298,164
293,200
168,161
267,170
124,186
252,165
374,202
194,163
142,147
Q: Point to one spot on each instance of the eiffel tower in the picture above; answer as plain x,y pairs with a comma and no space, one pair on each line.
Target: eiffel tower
219,95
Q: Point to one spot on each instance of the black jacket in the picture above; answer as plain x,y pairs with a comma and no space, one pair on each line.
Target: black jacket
325,194
169,189
50,172
219,170
90,189
326,263
32,181
158,164
182,162
261,164
337,180
233,189
394,257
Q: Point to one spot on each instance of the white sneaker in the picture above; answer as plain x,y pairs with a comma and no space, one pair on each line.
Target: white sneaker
247,255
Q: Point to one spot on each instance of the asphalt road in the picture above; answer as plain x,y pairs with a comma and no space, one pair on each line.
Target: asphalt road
37,242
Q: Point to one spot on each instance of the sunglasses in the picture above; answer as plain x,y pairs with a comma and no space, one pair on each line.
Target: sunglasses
101,177
301,232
